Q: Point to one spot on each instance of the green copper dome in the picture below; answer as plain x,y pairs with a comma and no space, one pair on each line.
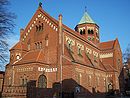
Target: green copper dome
86,19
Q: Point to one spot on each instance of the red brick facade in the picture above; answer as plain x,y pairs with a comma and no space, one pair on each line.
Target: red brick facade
1,81
49,52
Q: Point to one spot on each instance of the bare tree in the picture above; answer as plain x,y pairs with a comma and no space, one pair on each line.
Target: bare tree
126,55
6,28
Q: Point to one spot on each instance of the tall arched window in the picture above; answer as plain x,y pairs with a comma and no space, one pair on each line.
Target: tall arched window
42,81
89,32
40,45
79,51
69,45
81,32
36,28
92,32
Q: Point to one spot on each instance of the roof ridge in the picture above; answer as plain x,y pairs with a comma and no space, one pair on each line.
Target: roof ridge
107,41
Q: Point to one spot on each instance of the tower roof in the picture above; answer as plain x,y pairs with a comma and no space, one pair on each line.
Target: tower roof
86,19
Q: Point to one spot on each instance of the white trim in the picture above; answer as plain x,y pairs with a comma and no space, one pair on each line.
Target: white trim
106,55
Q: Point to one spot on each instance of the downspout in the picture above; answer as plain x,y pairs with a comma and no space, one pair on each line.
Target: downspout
60,47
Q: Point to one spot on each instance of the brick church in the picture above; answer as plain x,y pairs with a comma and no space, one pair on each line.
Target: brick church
51,60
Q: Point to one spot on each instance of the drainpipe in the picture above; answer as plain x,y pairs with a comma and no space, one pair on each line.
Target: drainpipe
61,45
60,51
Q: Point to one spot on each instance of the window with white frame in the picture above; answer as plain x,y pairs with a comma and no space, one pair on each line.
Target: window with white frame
80,47
95,54
69,45
70,42
79,51
88,51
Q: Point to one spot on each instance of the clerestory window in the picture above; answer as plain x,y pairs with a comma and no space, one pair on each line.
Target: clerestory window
69,45
90,31
81,32
79,51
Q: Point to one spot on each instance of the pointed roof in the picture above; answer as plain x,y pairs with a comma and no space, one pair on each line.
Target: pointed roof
86,19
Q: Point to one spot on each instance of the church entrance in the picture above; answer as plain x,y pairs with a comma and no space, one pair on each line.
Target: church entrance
110,89
42,81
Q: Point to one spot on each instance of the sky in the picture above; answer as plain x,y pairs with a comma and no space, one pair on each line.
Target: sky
112,16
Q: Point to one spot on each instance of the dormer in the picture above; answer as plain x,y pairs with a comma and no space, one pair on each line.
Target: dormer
88,28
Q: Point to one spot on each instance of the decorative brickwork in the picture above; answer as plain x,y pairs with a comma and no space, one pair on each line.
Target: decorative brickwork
51,59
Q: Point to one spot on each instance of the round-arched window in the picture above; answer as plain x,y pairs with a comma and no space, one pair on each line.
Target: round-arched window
42,81
92,32
18,57
89,32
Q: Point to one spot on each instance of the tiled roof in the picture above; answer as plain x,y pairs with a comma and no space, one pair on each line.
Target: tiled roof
73,58
38,56
19,45
86,19
16,46
32,56
107,45
79,60
109,67
101,65
66,27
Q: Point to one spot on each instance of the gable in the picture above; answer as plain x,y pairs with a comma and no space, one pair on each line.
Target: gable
117,46
41,22
107,45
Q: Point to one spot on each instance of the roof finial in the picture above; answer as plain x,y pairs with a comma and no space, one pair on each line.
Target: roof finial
85,9
40,4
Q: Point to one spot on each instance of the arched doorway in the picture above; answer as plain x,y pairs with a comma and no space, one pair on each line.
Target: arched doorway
110,87
42,81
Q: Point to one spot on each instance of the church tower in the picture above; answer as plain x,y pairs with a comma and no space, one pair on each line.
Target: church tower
88,28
